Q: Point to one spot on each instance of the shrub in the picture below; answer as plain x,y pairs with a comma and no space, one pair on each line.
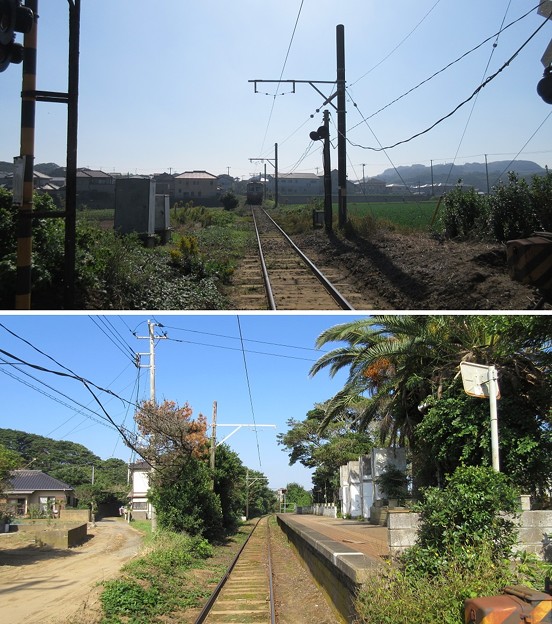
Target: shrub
393,483
511,211
468,515
461,212
394,595
229,200
127,597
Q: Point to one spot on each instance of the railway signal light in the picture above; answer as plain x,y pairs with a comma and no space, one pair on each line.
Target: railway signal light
13,18
544,88
318,135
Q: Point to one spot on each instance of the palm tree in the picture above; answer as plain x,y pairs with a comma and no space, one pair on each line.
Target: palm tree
400,363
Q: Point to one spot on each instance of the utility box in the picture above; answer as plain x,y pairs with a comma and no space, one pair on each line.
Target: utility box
517,604
135,207
162,218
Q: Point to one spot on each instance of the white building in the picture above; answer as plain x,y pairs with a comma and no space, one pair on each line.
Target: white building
358,488
139,473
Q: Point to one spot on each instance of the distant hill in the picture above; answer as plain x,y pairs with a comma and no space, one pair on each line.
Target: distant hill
46,168
471,174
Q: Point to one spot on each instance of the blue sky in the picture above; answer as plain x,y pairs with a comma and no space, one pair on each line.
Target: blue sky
200,362
164,86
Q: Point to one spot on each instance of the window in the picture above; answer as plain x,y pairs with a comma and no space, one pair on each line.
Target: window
140,506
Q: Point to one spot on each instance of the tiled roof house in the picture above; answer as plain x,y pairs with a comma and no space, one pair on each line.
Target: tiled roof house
34,487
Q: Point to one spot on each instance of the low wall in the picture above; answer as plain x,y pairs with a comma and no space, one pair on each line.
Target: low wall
56,534
319,509
535,532
75,515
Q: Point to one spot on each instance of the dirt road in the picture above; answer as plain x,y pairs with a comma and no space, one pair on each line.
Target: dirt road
46,585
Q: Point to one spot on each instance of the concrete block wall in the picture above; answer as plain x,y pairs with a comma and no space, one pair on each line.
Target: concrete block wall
535,532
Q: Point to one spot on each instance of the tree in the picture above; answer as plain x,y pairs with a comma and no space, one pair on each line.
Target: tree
181,490
230,476
9,460
403,374
260,498
297,494
325,448
229,200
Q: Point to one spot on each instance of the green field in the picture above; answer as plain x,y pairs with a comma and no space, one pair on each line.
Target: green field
408,215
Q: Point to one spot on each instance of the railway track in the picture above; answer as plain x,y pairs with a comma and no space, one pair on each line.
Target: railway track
291,280
245,593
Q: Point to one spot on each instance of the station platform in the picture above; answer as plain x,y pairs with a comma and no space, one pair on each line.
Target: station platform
339,553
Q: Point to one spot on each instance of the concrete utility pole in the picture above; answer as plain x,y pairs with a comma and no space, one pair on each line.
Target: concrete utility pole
341,116
26,161
341,127
213,437
152,337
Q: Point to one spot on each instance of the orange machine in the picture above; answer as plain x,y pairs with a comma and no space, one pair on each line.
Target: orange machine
518,605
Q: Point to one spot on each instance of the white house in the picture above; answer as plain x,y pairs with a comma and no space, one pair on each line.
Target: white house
358,488
139,481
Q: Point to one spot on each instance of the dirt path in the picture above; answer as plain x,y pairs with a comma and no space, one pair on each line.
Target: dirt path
46,585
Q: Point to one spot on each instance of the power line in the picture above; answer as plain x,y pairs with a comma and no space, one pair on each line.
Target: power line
397,46
273,344
524,146
477,96
457,108
113,336
448,66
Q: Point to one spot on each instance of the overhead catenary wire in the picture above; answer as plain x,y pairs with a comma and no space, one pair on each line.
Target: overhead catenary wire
249,390
281,75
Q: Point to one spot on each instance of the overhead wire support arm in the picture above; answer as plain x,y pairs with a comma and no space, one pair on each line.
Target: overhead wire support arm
237,428
312,83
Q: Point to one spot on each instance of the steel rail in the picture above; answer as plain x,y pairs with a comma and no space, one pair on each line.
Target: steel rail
270,583
212,599
266,278
330,288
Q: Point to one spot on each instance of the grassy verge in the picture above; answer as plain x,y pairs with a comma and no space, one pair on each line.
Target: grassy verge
170,581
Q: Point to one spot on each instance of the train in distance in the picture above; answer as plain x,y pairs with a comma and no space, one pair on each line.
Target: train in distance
255,193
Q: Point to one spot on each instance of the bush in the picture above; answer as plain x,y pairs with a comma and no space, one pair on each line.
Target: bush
514,210
154,583
511,212
229,200
394,595
457,522
461,212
